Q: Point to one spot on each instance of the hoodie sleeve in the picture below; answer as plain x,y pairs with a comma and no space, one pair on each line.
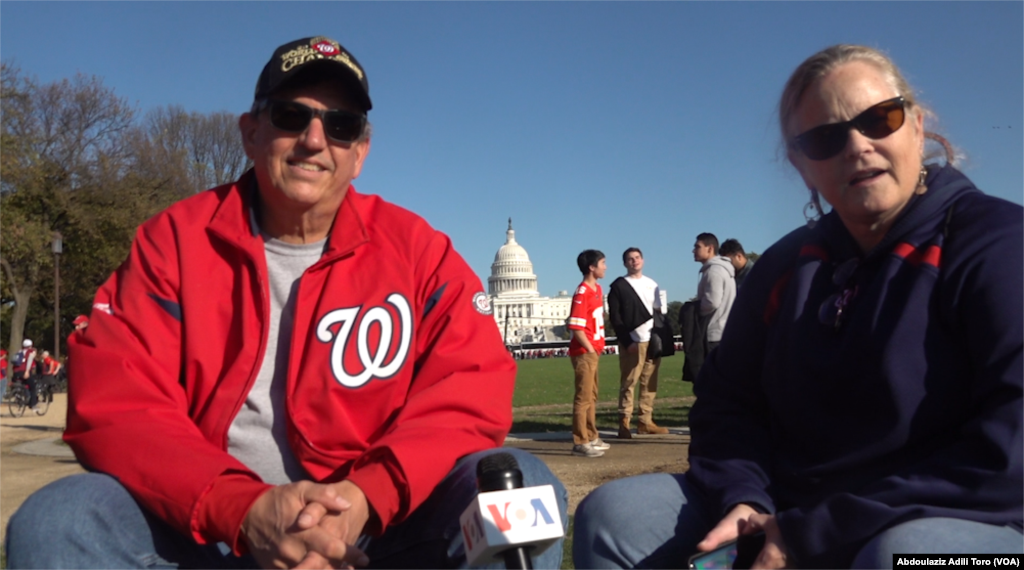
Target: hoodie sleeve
714,293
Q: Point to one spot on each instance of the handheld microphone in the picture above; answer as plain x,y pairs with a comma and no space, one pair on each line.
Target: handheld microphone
507,522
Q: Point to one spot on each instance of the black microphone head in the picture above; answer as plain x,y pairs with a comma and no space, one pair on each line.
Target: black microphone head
496,462
498,472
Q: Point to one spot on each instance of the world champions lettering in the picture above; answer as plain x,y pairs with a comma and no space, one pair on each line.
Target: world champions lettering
319,48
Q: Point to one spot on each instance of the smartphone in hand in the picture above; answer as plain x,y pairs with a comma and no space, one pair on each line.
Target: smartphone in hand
739,553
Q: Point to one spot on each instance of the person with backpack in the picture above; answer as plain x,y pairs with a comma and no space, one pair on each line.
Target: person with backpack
25,370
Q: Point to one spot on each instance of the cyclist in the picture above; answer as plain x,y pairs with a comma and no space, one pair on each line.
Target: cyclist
24,366
50,367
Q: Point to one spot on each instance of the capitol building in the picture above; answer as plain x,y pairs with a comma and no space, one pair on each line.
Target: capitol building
521,313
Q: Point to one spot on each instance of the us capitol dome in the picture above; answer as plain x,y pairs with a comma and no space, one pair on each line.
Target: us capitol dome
521,313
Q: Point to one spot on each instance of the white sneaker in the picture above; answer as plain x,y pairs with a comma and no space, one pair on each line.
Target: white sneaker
600,445
586,450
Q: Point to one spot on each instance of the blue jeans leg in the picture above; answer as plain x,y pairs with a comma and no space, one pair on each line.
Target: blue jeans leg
648,521
432,538
91,521
938,536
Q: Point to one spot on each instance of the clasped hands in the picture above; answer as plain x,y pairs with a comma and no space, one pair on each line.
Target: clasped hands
743,519
308,525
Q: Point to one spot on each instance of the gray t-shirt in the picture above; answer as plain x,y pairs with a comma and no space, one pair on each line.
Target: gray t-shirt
258,435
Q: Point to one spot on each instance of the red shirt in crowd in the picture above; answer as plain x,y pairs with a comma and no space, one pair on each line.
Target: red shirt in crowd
587,314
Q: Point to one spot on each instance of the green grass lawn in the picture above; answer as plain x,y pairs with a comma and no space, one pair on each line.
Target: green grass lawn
548,382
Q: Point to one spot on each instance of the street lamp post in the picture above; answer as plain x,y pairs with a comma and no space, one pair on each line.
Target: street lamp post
58,248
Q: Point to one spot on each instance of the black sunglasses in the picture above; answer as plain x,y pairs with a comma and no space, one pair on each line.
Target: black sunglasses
339,125
876,122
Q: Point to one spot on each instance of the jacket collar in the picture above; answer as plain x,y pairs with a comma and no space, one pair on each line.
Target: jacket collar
233,219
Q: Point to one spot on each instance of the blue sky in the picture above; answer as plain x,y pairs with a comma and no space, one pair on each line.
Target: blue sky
592,124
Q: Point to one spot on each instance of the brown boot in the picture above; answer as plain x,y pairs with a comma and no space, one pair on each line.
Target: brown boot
624,432
649,428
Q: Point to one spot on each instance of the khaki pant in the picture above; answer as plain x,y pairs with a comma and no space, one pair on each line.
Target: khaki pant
584,404
636,368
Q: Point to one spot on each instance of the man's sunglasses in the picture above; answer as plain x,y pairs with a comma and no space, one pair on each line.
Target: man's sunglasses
339,125
876,122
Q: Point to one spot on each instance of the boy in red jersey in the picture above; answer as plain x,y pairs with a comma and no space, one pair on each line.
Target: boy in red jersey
586,321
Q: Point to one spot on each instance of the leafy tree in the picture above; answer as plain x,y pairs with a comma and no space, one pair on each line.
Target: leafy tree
673,315
73,161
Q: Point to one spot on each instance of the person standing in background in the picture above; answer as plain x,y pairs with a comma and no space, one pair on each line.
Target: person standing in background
732,249
586,321
632,301
716,290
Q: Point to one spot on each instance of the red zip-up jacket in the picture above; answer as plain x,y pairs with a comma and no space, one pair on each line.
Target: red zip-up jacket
396,367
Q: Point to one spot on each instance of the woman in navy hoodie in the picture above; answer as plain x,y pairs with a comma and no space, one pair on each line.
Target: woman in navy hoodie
866,398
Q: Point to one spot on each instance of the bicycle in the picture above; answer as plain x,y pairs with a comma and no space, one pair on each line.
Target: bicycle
19,397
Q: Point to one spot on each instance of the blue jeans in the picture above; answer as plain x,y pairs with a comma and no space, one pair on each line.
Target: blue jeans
91,521
656,521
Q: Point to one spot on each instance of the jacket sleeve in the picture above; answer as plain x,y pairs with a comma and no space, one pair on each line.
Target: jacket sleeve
978,474
460,400
615,314
128,413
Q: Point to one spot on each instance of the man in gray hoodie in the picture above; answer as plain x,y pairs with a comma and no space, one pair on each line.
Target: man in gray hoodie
717,288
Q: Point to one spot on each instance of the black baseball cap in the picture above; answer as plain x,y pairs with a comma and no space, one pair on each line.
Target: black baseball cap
320,55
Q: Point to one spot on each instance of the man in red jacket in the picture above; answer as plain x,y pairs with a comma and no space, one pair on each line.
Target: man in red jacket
284,371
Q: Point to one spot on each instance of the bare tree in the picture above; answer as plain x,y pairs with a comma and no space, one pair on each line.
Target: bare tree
207,147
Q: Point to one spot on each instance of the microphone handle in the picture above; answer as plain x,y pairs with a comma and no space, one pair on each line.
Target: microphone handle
518,558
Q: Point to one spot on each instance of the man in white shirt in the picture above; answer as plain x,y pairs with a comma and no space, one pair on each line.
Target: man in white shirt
632,300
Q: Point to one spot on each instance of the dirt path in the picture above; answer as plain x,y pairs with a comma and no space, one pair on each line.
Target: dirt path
21,475
580,475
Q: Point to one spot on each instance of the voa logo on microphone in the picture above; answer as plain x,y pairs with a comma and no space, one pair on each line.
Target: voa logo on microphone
373,360
497,520
519,514
516,514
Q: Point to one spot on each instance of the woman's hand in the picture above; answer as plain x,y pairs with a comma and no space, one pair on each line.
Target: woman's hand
727,529
774,554
744,519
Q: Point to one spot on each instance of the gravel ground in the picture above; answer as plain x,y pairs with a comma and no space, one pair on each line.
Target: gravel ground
21,475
